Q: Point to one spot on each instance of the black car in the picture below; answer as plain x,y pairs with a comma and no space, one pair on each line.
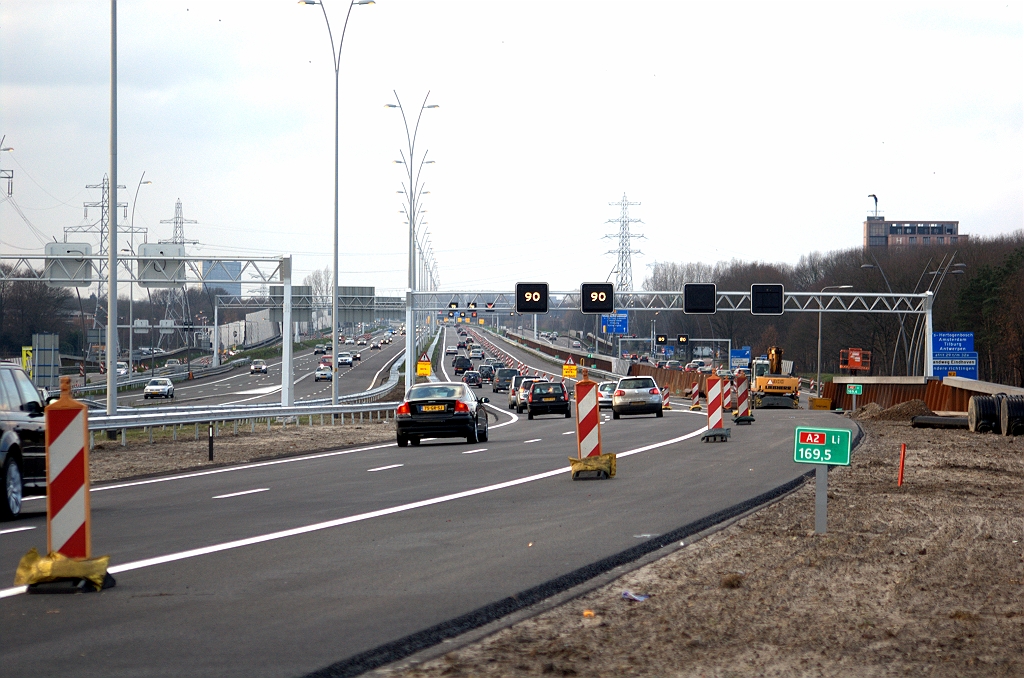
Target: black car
486,373
22,439
319,349
503,379
472,378
462,364
547,397
462,344
441,410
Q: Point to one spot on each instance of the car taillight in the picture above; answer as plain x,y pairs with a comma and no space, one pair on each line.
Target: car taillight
403,408
619,392
655,391
529,398
461,406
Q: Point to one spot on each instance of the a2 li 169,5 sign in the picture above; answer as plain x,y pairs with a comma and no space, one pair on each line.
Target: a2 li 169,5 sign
822,446
597,298
531,297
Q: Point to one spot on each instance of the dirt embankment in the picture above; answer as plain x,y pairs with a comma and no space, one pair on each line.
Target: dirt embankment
927,579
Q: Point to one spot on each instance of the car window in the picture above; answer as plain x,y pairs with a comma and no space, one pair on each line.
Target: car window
29,394
547,388
8,396
607,387
636,383
506,372
429,391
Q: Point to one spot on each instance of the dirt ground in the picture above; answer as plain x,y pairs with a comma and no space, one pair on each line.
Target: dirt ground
927,579
109,461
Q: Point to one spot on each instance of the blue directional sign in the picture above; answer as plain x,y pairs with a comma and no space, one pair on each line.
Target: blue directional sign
670,350
952,342
959,364
615,324
739,357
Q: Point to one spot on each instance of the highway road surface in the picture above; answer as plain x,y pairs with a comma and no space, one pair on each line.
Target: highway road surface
284,567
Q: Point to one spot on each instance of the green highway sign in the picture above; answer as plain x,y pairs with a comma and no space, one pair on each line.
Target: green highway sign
854,389
822,446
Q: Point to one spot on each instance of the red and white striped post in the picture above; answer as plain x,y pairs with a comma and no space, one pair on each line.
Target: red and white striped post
742,396
666,392
726,395
695,396
67,476
714,402
588,420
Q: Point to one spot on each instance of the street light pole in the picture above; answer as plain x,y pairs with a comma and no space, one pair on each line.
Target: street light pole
111,356
412,196
131,284
336,61
827,287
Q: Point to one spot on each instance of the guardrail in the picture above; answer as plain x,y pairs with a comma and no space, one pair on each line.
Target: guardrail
174,374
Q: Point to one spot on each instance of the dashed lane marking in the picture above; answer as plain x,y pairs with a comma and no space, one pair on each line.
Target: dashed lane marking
383,468
239,494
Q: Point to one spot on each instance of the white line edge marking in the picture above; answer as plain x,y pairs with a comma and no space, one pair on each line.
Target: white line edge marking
568,433
239,494
532,440
383,468
482,449
17,529
192,553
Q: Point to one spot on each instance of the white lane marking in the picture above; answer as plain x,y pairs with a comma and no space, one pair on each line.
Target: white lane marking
192,553
263,390
17,529
383,468
229,469
239,494
532,440
482,449
568,433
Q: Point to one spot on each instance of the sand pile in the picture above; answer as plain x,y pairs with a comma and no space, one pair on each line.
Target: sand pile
905,411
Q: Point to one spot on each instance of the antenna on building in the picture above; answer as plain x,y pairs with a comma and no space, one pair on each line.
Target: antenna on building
624,267
876,202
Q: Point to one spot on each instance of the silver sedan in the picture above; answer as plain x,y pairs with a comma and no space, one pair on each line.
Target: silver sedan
636,395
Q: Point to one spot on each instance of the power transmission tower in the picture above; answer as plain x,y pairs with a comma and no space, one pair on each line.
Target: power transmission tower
624,267
177,307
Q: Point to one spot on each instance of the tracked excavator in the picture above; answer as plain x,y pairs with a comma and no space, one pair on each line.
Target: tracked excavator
775,386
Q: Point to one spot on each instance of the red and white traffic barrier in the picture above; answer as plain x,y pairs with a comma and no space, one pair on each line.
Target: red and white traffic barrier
695,396
726,395
714,403
742,396
67,476
588,420
666,392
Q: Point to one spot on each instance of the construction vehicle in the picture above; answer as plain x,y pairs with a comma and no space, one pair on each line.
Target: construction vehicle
774,384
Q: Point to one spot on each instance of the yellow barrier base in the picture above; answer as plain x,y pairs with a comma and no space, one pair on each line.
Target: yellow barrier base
695,407
601,466
34,570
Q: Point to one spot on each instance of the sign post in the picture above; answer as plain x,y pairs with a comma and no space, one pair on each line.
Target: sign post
854,390
821,447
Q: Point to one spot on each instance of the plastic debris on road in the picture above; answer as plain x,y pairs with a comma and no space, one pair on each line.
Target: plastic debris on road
629,595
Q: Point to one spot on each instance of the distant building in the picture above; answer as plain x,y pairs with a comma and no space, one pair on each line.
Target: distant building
223,270
882,232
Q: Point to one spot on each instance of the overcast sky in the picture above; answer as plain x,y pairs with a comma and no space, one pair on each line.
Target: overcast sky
746,130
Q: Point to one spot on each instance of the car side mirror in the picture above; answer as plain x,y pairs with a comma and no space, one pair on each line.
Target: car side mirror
485,400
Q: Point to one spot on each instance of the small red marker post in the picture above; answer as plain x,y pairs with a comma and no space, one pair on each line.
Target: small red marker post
903,458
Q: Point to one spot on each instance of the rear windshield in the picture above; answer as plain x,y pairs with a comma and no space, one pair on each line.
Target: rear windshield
547,388
431,391
506,372
637,383
462,360
606,387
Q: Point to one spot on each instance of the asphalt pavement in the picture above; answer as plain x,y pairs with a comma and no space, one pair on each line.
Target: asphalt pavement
283,567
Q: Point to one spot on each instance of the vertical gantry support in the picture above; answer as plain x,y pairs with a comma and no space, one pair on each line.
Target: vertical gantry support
216,335
287,383
928,327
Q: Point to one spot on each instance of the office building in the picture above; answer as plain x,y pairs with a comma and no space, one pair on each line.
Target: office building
882,232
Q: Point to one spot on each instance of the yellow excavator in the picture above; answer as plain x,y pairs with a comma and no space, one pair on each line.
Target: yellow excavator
774,383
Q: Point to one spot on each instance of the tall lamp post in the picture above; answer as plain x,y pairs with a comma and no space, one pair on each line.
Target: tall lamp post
336,60
828,287
131,285
412,196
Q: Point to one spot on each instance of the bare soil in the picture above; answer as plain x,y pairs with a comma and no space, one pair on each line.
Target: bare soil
108,460
927,579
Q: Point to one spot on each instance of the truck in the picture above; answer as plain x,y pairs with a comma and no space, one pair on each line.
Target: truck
774,385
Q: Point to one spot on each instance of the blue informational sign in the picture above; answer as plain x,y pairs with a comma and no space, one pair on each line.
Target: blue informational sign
670,350
955,364
615,324
739,357
952,342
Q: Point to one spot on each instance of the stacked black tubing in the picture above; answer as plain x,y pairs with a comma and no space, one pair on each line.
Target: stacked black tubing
1011,415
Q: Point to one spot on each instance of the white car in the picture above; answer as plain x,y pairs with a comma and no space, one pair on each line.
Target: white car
160,387
576,343
323,372
258,366
350,341
451,350
344,359
636,395
122,369
604,393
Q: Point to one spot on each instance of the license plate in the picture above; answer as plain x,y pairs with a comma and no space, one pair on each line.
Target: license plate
432,408
638,402
549,400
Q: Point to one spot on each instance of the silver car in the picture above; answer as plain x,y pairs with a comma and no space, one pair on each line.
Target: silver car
604,393
158,388
636,395
344,359
323,372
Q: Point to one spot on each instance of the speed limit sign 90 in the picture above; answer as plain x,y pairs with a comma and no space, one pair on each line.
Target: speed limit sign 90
531,297
597,298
